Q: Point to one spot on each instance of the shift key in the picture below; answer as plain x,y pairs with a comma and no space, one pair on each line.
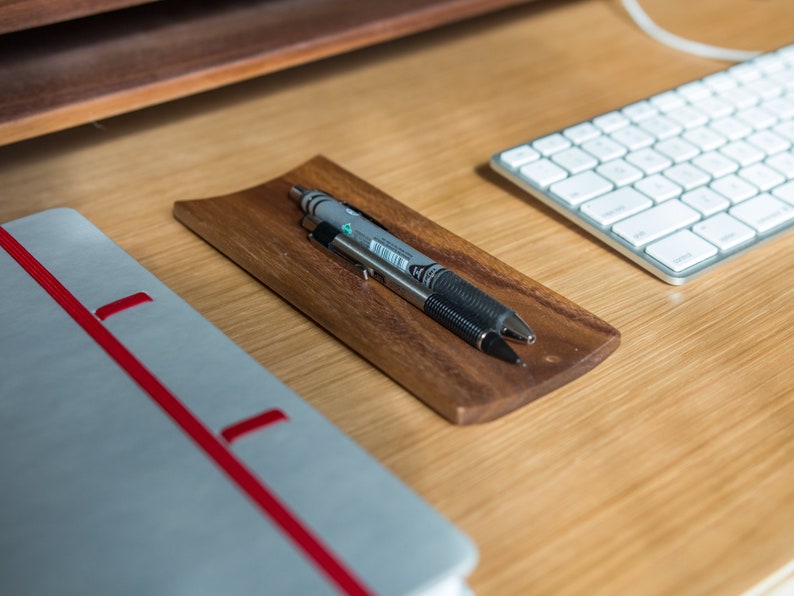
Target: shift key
656,222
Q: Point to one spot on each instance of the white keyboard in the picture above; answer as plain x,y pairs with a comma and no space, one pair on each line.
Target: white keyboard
679,182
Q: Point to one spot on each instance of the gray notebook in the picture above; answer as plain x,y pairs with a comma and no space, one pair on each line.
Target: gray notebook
143,452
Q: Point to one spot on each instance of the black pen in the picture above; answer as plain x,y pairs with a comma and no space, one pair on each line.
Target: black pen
452,317
372,236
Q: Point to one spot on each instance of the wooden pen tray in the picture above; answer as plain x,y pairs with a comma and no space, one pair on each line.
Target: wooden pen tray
259,229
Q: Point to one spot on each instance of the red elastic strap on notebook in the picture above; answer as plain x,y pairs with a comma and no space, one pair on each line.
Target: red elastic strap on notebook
204,438
103,312
249,425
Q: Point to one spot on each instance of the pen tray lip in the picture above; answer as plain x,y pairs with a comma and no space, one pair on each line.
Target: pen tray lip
454,379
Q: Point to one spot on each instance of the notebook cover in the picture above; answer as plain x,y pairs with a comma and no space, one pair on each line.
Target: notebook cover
260,230
145,453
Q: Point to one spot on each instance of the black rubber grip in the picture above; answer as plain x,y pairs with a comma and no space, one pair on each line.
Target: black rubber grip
458,291
453,318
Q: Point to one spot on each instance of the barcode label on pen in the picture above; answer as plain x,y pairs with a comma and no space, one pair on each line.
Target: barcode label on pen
387,254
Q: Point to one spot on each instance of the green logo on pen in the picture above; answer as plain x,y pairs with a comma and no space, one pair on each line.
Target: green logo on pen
347,229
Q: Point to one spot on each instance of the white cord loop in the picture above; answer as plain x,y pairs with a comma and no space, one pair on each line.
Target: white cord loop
645,23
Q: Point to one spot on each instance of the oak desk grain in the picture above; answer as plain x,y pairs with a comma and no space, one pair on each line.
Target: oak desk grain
668,469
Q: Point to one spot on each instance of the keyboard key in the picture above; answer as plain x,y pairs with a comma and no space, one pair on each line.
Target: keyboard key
757,118
763,212
724,231
574,160
694,91
785,78
768,142
714,107
619,172
761,176
705,200
637,112
704,138
661,127
720,81
667,101
604,148
785,192
770,63
739,97
519,156
677,149
649,161
785,130
616,205
543,172
734,188
581,187
632,137
742,153
550,144
768,88
659,188
715,164
731,128
687,176
611,122
581,132
746,72
681,250
656,222
783,163
782,107
688,117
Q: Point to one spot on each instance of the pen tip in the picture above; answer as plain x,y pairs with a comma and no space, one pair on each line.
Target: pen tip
494,345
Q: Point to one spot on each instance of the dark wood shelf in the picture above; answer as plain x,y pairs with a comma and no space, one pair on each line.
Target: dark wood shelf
18,15
81,70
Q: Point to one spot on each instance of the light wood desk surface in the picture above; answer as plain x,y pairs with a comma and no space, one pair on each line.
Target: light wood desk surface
668,469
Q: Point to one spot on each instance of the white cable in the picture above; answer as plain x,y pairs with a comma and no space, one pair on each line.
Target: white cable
645,23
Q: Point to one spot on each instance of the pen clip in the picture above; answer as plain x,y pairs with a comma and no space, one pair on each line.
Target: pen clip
349,264
323,236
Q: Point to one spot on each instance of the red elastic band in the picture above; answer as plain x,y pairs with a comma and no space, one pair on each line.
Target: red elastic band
103,312
266,418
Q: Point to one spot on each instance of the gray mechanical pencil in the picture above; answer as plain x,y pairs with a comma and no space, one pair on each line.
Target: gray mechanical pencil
452,317
371,235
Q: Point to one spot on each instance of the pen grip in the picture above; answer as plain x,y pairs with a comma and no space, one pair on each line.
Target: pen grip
450,316
459,291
